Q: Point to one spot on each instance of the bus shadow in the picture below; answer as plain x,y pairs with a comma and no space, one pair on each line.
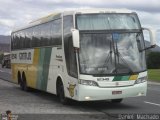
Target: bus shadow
89,105
103,105
40,94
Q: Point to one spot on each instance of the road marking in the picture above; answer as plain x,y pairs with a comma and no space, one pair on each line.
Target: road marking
152,103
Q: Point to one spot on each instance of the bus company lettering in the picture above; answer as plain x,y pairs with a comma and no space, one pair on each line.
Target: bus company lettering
102,79
59,58
25,56
22,56
13,56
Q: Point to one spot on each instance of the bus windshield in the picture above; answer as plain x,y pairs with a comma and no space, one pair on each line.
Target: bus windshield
109,44
108,21
103,53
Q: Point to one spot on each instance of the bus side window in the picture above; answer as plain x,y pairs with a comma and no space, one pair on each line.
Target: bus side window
17,40
13,41
68,46
56,32
28,37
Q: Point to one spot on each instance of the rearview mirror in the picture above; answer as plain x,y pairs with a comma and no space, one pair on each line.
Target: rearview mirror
75,37
152,36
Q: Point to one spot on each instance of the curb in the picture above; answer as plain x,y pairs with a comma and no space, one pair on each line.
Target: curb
7,80
153,83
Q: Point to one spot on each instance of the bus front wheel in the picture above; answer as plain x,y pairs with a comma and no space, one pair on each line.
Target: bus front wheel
61,93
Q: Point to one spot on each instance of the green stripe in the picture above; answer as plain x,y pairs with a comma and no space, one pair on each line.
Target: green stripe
40,69
125,78
121,78
43,70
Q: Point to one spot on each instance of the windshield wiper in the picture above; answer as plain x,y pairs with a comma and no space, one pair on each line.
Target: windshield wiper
118,54
109,57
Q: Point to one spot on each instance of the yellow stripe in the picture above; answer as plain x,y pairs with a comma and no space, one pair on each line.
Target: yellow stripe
36,56
133,77
32,70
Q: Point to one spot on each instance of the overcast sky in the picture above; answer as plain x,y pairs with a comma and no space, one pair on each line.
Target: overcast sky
19,12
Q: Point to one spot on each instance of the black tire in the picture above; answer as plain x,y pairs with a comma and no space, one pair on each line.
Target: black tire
20,81
23,83
61,93
26,88
116,100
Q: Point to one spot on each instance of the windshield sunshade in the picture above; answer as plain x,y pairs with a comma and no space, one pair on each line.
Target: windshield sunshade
107,21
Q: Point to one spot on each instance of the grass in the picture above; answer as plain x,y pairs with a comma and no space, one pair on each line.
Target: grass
154,75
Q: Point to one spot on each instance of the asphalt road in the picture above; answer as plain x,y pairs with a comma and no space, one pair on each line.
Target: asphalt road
5,73
38,105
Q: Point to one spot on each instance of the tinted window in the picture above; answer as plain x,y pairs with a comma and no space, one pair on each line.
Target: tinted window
46,34
36,36
107,21
28,37
13,41
56,32
68,24
18,40
21,39
68,46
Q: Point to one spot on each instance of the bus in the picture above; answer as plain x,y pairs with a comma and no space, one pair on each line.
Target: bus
6,61
83,55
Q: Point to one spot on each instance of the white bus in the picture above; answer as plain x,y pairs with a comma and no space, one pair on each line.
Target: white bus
84,55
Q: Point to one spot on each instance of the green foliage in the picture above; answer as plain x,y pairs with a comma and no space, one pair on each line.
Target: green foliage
1,57
153,75
153,60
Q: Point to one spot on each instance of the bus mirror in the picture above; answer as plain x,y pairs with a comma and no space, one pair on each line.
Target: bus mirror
152,36
75,37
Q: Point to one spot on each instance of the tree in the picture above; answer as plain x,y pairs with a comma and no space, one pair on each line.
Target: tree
1,57
153,60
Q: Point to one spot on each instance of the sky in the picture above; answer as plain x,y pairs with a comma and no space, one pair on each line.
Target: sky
14,13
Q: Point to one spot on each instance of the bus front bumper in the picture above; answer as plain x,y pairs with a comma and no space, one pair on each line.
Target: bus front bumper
91,93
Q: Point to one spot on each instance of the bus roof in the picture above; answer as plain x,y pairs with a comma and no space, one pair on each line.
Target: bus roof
57,15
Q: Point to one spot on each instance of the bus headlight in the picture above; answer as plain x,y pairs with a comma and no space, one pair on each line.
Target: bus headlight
141,80
88,82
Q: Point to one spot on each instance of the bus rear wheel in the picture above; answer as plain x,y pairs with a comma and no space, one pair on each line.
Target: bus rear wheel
25,86
116,100
23,83
61,93
20,81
